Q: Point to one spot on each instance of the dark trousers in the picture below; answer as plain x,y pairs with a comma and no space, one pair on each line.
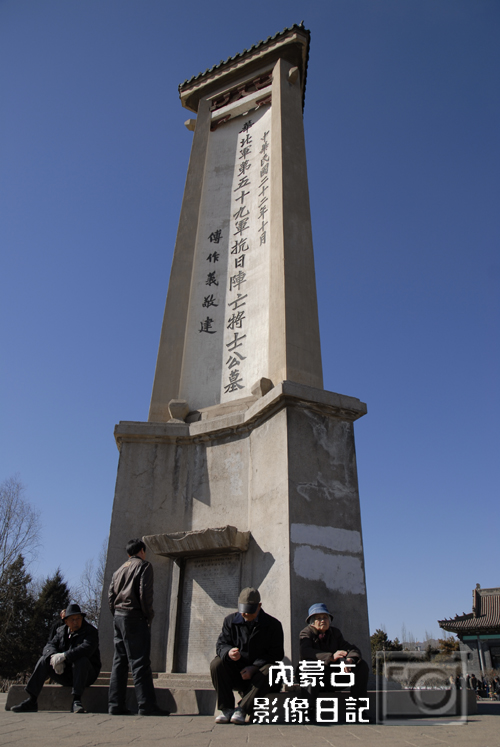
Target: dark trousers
132,641
78,676
226,677
358,690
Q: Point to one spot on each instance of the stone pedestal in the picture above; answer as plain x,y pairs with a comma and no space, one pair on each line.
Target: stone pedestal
282,469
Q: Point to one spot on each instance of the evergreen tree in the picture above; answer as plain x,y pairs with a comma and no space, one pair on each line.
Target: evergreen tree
448,645
16,604
380,642
54,597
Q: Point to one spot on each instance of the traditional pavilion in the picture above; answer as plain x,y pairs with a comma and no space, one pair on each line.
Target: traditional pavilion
479,631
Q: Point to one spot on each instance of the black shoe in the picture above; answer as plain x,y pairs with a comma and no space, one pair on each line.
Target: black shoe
156,711
117,711
27,706
77,707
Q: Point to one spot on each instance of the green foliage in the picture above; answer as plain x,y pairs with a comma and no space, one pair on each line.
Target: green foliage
26,619
380,642
448,645
54,597
16,604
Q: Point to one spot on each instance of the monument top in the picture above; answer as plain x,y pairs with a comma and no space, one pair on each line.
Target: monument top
291,44
241,313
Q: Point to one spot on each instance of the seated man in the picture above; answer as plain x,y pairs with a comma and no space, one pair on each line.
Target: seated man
320,642
250,642
70,658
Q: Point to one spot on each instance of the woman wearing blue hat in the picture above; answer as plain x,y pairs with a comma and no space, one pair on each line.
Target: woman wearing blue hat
319,641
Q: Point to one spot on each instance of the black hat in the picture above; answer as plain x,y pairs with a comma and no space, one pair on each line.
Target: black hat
73,609
248,600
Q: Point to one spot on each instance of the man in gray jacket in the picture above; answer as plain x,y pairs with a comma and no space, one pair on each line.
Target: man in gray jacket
131,602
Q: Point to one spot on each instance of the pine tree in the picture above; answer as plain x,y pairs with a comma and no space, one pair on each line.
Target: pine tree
16,604
380,642
54,597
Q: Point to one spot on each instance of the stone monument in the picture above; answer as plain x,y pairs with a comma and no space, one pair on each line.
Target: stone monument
245,473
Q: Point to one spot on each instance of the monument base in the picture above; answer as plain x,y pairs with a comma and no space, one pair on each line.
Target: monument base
276,480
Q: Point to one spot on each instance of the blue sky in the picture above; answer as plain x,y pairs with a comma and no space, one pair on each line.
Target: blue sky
402,135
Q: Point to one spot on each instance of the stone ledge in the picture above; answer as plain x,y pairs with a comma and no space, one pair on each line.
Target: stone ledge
285,394
198,542
182,701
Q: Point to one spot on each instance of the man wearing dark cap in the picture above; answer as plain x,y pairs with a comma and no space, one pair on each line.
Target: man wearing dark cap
71,657
250,642
319,641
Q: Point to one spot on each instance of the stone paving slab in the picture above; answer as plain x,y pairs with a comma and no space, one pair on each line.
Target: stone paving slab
57,729
279,708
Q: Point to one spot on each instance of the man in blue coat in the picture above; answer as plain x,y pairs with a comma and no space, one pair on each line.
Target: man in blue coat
250,642
71,657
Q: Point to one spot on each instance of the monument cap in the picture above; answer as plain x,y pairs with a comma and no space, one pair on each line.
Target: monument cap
248,600
318,609
73,609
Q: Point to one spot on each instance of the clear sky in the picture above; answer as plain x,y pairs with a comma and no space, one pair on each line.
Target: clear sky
402,133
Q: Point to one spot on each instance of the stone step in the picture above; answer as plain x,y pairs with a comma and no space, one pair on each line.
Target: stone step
104,677
180,680
168,679
182,701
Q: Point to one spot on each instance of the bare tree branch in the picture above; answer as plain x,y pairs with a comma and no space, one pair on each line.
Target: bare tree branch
19,524
89,589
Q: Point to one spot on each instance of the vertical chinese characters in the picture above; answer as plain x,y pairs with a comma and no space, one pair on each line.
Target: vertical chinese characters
248,219
206,325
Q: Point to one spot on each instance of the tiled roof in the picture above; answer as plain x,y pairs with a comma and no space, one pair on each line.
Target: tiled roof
485,614
300,26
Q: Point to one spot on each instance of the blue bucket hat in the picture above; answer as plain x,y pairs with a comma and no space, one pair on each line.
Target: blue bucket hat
318,609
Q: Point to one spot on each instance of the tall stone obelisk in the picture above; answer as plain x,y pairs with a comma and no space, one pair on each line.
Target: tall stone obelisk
245,473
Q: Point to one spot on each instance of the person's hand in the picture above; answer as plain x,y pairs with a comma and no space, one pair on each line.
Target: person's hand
339,655
234,654
350,661
58,662
248,672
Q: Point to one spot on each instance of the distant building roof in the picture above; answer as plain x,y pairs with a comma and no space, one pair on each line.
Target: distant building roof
292,43
484,618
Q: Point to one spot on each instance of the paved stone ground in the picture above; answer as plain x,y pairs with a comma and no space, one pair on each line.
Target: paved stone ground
56,729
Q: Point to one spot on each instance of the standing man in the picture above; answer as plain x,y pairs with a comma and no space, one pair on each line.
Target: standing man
250,642
71,658
131,602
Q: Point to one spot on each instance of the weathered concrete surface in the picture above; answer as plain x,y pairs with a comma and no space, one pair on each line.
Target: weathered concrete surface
326,547
294,342
284,470
199,542
169,362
